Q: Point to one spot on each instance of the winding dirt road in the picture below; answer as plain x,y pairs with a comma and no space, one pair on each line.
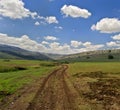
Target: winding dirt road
55,93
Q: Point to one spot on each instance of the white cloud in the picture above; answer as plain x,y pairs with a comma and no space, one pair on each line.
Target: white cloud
54,45
84,46
116,37
90,47
37,23
45,43
93,27
75,43
15,9
23,42
51,19
107,25
50,38
85,49
59,27
87,44
49,47
40,17
75,11
111,44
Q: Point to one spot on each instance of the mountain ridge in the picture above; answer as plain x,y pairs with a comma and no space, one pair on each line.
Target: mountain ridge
11,52
98,55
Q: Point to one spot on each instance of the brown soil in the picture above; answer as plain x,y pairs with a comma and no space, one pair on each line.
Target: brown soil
100,90
55,93
21,99
107,92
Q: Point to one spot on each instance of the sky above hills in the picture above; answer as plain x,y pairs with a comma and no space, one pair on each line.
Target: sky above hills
60,26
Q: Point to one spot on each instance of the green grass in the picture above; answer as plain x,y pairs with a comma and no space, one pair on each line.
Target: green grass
12,65
113,67
11,79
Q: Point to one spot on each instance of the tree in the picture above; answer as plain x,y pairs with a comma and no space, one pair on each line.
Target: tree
109,51
110,56
87,57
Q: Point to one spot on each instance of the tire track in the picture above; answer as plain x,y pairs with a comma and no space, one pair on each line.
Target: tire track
54,93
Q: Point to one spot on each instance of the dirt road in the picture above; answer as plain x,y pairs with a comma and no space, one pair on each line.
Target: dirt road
62,91
55,93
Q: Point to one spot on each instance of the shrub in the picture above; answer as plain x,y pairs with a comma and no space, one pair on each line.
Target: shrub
110,57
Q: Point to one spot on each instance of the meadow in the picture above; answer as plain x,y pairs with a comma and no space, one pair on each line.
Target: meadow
14,74
113,67
98,84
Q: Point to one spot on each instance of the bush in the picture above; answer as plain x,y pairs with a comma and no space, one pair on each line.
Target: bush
110,57
87,57
6,60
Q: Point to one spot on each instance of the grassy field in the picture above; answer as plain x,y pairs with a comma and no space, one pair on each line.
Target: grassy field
113,67
98,84
14,74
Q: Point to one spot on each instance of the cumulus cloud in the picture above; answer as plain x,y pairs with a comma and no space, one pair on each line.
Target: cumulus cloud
49,47
87,44
15,9
107,25
37,23
45,43
90,47
61,49
111,44
86,48
48,19
52,38
75,43
116,37
54,45
23,42
51,19
75,12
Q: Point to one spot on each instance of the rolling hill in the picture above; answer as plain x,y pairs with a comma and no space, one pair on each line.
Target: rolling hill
11,52
99,55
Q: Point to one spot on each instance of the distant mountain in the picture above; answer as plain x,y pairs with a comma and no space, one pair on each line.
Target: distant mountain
54,56
11,52
99,55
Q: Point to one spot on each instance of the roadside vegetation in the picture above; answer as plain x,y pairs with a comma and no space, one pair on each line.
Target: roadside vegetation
98,84
14,74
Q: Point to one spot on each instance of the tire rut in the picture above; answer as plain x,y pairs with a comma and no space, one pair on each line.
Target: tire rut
54,93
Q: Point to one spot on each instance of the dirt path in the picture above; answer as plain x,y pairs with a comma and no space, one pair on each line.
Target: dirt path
55,93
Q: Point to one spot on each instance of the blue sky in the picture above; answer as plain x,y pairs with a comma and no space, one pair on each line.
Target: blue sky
60,26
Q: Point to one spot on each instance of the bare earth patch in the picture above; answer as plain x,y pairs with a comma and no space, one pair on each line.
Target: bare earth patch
100,90
55,93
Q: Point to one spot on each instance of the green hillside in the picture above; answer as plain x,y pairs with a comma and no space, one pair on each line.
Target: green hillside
10,52
100,55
